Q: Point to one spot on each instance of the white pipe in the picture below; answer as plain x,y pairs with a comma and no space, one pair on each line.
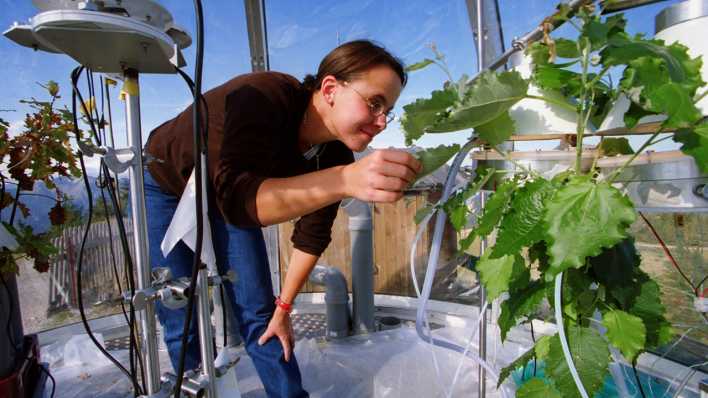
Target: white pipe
561,336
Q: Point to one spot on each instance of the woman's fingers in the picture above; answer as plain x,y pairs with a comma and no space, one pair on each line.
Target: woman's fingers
287,348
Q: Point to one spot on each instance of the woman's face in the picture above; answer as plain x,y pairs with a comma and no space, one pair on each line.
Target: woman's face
354,103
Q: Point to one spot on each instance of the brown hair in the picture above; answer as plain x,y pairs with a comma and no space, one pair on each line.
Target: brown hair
351,59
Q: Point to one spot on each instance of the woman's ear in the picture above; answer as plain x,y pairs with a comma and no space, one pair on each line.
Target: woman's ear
328,88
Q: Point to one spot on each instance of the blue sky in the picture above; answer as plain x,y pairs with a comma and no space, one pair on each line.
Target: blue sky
300,33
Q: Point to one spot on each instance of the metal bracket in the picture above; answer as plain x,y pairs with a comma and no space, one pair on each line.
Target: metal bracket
117,160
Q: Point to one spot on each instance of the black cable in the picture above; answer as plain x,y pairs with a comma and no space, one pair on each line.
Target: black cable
133,344
639,382
533,338
74,78
198,150
8,325
54,382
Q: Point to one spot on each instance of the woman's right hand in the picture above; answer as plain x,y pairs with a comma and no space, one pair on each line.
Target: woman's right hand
381,176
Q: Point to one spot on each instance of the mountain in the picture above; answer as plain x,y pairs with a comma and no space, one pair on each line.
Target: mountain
39,200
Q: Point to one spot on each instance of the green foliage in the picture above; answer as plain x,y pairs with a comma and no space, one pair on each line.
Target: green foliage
539,351
537,388
649,308
496,131
499,274
615,146
577,222
626,332
419,65
521,226
695,143
522,304
456,206
583,217
420,116
433,158
590,355
39,153
490,95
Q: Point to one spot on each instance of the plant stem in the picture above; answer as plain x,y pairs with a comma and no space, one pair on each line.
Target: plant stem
585,60
507,157
700,97
563,104
599,75
644,146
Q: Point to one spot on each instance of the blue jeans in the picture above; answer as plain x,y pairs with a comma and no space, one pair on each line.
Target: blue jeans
251,295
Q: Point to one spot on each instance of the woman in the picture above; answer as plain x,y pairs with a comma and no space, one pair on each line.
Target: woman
278,149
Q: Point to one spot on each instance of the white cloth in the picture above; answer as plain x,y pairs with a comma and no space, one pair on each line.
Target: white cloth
184,226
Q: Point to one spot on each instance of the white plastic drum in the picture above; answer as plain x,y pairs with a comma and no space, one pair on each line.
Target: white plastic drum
661,181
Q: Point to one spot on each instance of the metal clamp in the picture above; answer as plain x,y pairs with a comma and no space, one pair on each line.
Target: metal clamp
117,160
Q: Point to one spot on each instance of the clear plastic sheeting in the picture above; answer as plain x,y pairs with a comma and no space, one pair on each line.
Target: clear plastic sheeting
393,363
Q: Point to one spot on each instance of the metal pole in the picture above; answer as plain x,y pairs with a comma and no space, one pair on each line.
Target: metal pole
481,373
203,309
146,317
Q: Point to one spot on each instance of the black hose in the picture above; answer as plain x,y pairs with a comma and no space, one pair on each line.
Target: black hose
74,79
198,150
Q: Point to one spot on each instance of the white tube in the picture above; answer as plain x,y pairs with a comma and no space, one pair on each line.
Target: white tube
422,322
561,336
467,347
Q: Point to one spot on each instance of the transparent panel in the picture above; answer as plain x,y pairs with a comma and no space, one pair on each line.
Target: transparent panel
48,299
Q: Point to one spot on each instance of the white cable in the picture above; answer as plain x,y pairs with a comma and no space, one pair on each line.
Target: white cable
419,233
422,322
467,347
561,336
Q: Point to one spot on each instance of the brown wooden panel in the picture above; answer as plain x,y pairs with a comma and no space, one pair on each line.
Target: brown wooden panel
394,230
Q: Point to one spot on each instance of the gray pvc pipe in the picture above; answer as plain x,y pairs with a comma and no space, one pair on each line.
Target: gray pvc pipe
336,299
362,246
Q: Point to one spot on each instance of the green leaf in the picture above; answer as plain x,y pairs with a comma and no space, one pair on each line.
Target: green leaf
615,146
590,356
499,274
456,206
549,77
498,130
676,102
539,53
423,113
520,225
434,158
537,388
649,308
495,208
634,113
626,332
622,49
695,143
578,297
582,218
567,48
490,95
616,269
419,65
598,32
540,350
522,303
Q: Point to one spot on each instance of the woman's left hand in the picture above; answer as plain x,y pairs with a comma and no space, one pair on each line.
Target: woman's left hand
280,327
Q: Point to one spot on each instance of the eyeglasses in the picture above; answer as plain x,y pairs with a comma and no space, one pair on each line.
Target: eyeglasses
375,107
